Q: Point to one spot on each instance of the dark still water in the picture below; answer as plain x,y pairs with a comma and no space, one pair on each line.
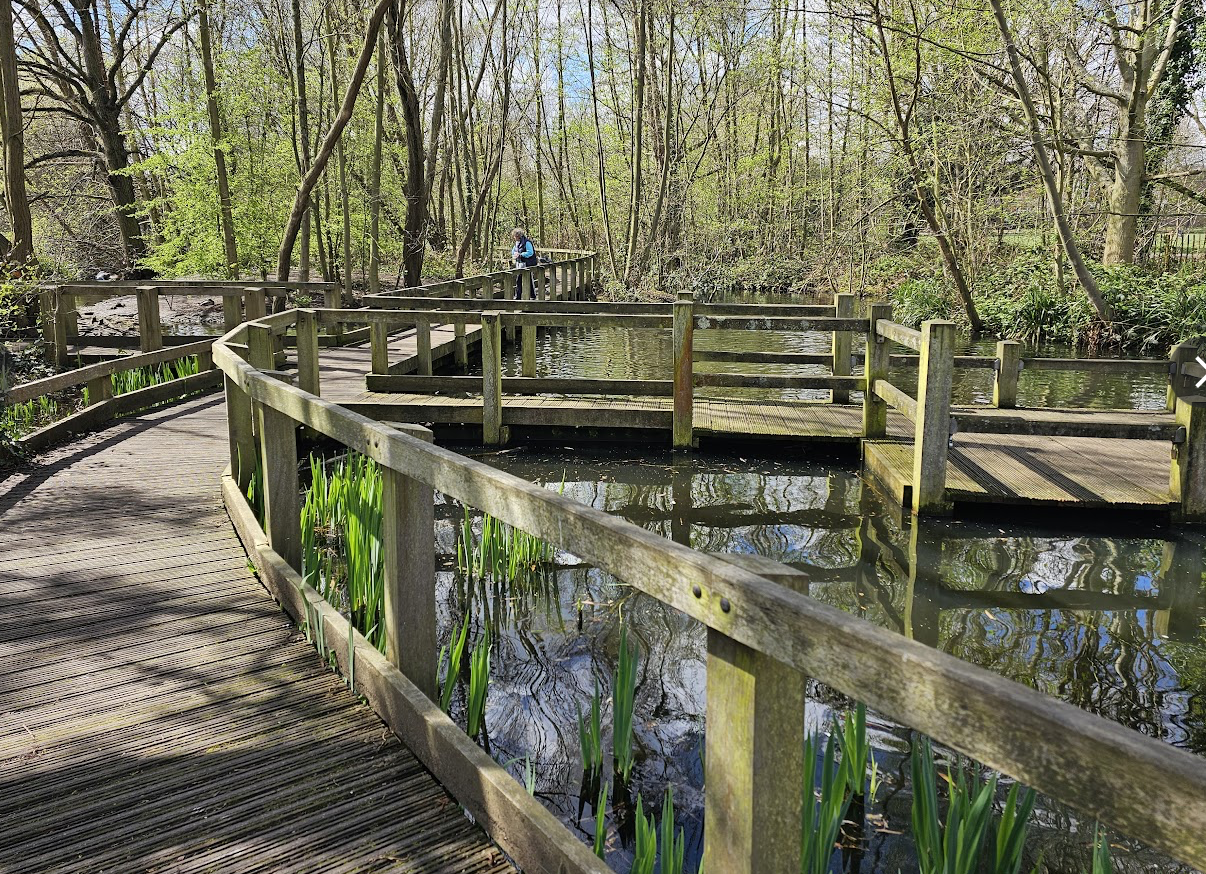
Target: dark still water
1110,622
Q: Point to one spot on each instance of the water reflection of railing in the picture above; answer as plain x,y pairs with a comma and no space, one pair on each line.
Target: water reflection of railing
760,636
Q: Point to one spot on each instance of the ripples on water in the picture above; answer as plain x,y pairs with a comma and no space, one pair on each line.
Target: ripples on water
1111,624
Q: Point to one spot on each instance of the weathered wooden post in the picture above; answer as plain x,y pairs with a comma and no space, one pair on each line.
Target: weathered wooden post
920,616
528,335
54,322
511,291
528,286
575,279
423,345
232,309
307,352
683,333
1005,377
282,502
1187,479
255,303
332,299
754,751
1181,354
460,350
239,425
150,329
379,347
876,363
933,427
408,518
71,316
492,431
99,389
843,305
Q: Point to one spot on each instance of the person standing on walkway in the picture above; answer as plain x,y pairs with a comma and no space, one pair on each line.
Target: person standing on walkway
523,254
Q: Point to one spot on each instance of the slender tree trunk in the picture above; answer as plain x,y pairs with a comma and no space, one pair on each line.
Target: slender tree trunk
12,129
303,127
374,266
601,168
226,215
1054,199
328,145
638,146
341,166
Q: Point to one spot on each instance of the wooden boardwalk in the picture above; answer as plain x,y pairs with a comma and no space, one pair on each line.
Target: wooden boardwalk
158,712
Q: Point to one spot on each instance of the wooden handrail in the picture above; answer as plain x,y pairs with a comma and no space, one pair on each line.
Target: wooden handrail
82,375
1134,783
896,398
899,334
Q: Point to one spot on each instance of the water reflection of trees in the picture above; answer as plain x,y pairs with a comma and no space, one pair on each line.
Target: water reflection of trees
1109,624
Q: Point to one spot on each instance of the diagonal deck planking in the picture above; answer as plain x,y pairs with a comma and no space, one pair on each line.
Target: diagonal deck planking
157,710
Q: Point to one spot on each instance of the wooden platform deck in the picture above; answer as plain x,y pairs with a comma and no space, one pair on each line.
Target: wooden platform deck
157,710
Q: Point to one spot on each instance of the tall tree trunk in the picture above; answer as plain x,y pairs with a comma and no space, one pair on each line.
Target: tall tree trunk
601,168
1054,197
1126,189
226,216
638,146
303,127
374,266
13,132
328,145
341,166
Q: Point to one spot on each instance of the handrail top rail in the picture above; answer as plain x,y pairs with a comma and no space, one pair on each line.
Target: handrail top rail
1102,767
298,284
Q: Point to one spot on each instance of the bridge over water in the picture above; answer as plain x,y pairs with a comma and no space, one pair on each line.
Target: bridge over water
162,713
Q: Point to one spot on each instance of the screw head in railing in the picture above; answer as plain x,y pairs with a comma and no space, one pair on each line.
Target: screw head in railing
725,606
697,591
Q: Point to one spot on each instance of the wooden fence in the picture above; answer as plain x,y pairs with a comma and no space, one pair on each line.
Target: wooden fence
763,638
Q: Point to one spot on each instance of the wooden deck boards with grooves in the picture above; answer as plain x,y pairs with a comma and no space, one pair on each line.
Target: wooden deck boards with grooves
158,712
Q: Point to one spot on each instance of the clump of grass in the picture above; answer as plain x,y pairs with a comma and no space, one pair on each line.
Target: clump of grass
824,810
590,735
623,700
24,418
144,377
953,846
852,739
479,685
1102,861
1010,837
501,552
674,846
342,557
645,851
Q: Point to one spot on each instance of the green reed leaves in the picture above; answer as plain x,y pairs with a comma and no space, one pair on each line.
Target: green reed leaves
1103,863
1010,838
623,701
953,846
590,734
479,684
601,821
823,810
674,846
456,653
645,852
501,552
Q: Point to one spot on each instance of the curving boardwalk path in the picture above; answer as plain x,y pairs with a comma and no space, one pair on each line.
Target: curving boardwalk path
157,710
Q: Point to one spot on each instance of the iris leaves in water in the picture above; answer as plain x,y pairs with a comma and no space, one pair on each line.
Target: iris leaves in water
479,684
342,556
674,846
823,810
501,552
456,653
590,735
623,700
645,853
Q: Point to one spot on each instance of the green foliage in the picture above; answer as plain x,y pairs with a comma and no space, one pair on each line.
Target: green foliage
645,852
825,809
502,552
1103,863
1012,827
341,541
852,738
590,735
623,701
953,846
479,684
26,417
601,821
452,671
125,381
674,846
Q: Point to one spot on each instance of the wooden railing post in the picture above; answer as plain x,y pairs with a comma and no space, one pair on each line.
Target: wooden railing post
528,358
492,431
282,502
332,299
933,427
528,284
239,430
255,304
71,317
460,350
407,530
1005,379
307,352
562,280
843,305
54,321
877,361
150,329
261,350
575,279
99,389
1181,354
232,311
684,370
379,347
1187,478
754,754
423,346
512,292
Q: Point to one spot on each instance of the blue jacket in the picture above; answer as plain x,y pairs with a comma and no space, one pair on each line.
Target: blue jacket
524,253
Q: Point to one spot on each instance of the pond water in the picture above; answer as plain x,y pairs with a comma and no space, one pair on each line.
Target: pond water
1109,620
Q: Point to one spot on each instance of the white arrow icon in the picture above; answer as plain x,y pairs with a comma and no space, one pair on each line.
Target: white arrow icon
1201,381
